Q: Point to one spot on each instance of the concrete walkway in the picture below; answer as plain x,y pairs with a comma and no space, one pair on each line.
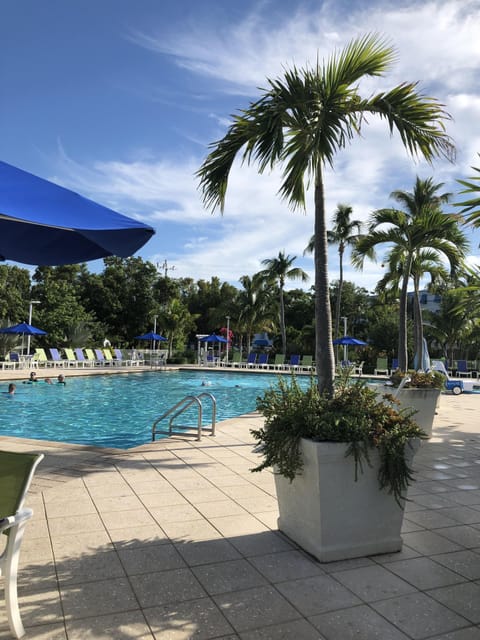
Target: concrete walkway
178,540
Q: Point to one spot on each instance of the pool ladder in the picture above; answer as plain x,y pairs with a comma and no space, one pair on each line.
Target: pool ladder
178,409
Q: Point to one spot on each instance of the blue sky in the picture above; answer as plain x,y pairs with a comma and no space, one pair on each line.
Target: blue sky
119,100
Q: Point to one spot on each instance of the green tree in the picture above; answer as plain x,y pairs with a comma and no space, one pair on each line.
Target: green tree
471,205
420,225
255,309
278,270
14,293
300,122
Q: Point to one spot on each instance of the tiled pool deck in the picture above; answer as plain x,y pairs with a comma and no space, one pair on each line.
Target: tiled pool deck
178,540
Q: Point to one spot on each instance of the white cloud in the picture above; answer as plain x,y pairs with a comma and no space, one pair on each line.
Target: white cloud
437,43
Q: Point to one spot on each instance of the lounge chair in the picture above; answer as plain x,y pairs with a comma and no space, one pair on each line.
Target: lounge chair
109,357
306,363
262,360
101,358
71,359
358,368
120,360
293,363
279,361
91,357
12,361
462,369
251,360
236,359
16,473
40,357
382,367
394,365
80,357
56,358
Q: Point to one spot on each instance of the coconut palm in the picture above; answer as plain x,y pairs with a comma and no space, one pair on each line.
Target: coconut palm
421,225
278,270
345,232
472,187
300,122
254,308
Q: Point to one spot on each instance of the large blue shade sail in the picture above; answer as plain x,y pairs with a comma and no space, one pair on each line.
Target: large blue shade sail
42,223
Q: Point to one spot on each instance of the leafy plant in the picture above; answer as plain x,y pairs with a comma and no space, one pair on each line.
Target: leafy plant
419,379
353,415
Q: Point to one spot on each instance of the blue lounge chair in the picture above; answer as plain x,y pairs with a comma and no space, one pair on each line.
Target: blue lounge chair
251,360
101,358
262,360
462,369
294,362
56,358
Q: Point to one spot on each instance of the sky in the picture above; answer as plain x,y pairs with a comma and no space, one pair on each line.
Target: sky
120,99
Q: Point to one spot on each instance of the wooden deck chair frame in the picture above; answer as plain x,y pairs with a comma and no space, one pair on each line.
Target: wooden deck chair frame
16,473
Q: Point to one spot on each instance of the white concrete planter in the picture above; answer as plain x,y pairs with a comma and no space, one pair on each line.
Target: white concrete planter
425,402
330,515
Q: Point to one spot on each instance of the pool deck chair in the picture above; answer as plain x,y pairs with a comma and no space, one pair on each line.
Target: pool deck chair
294,363
382,367
16,473
109,357
262,361
306,363
12,361
236,360
40,357
251,360
56,358
120,360
462,369
81,359
90,356
101,358
394,365
279,361
71,359
358,368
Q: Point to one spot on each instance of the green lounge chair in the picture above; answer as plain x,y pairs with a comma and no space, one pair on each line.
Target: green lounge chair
279,362
306,363
382,367
16,473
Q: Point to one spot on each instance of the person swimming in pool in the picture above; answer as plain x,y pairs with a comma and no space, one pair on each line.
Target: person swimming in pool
11,390
61,379
31,378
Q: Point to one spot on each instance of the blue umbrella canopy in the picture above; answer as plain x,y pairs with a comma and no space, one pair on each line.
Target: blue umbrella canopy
25,328
42,223
151,336
348,340
213,338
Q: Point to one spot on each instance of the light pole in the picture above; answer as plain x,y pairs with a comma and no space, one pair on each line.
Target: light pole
154,329
345,348
228,339
30,309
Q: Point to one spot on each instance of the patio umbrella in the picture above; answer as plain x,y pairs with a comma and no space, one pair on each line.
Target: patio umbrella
42,223
349,341
25,328
215,339
151,336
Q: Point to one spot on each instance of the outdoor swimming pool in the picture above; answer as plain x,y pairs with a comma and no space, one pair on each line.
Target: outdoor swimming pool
119,410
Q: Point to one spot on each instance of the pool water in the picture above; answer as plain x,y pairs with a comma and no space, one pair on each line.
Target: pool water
119,410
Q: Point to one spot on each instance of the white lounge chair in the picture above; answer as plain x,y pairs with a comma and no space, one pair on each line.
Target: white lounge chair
16,473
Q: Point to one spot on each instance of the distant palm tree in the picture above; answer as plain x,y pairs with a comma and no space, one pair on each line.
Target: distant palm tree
300,122
345,232
254,311
278,270
420,225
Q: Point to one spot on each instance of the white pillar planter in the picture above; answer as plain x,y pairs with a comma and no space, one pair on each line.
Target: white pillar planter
330,515
425,402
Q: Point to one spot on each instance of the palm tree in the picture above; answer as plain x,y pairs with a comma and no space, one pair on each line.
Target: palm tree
343,234
254,310
278,270
300,122
422,225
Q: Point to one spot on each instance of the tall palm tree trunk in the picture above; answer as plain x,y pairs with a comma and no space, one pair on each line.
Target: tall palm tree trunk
283,331
323,321
402,329
339,297
417,317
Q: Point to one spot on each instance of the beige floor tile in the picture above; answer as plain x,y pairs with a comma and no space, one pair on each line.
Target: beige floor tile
36,550
97,598
131,624
219,508
429,542
43,632
75,524
192,620
191,531
233,575
287,565
424,573
158,557
256,607
39,607
118,519
166,587
465,535
255,544
317,594
237,525
199,496
419,616
298,629
175,513
131,537
81,544
164,498
88,568
118,503
356,623
207,551
76,507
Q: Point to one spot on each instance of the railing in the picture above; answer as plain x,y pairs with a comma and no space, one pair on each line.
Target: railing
180,408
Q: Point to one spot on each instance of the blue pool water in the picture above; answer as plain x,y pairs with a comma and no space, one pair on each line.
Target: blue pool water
119,410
